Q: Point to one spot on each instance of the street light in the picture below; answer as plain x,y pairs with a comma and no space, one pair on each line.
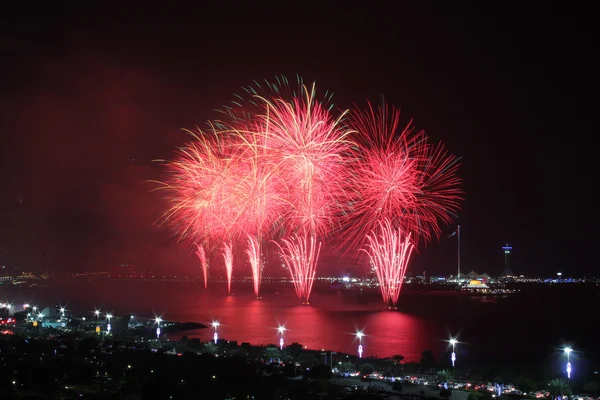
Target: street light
568,351
453,342
215,325
108,326
97,313
281,330
158,320
359,335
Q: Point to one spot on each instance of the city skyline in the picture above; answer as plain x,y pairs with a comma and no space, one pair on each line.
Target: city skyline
91,107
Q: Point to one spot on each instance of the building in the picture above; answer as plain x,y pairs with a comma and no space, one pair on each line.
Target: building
507,250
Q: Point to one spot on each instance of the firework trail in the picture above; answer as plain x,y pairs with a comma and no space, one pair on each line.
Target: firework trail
300,254
307,146
228,258
399,185
254,256
203,263
389,251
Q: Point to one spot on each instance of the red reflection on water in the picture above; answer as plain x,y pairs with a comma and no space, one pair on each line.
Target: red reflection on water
327,323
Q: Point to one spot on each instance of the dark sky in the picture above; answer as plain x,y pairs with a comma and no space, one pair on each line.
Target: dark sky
90,96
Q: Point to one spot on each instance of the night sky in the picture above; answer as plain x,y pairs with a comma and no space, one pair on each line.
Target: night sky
90,97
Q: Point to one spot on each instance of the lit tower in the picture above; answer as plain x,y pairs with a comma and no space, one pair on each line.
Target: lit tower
507,251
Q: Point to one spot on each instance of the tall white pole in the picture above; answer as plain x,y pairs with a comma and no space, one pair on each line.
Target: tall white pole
458,241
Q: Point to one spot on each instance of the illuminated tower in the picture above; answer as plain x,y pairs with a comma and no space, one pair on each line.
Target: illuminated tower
507,251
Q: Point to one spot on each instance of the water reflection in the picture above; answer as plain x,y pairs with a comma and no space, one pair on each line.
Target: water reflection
327,323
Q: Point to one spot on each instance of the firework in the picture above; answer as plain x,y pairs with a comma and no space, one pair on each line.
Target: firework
389,251
203,263
254,256
308,145
228,258
401,187
300,255
282,165
204,196
397,175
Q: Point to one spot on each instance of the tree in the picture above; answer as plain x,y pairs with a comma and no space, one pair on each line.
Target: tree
346,367
444,375
398,358
558,387
527,386
367,369
428,359
295,349
271,352
209,348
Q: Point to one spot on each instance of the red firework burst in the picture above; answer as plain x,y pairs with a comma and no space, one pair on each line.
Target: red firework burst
307,145
400,186
203,189
284,167
398,176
